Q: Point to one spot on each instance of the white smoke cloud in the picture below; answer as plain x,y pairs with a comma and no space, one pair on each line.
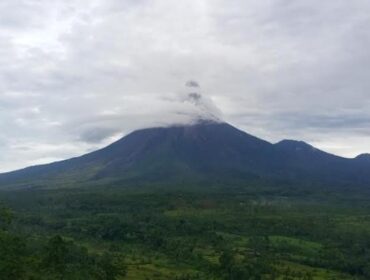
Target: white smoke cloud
184,106
202,107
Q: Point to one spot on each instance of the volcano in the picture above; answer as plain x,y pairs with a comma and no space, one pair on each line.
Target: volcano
206,152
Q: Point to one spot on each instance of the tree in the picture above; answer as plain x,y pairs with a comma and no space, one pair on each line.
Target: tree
113,266
12,250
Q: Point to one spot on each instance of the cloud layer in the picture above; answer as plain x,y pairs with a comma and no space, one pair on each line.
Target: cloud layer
75,75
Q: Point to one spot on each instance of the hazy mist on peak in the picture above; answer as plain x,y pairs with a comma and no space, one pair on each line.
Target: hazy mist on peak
187,106
203,106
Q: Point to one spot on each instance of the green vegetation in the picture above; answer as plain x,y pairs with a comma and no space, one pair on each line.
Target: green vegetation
139,233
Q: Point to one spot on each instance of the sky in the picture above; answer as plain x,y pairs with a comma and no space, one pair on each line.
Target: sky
76,75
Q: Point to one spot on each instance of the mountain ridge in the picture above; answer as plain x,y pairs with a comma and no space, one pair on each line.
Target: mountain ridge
206,151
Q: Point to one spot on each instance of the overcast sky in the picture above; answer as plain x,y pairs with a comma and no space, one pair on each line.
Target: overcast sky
77,74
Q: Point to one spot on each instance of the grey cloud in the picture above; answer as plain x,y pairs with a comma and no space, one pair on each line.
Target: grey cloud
20,14
195,97
298,121
97,134
86,72
192,84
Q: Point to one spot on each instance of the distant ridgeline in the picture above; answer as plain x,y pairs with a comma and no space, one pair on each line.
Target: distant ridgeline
205,153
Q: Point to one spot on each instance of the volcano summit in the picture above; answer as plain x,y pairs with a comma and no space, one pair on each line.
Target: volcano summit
206,152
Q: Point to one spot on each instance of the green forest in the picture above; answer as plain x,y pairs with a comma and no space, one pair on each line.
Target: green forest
118,232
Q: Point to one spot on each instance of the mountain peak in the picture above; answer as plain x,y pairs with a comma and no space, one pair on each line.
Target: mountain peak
200,120
363,157
295,145
207,151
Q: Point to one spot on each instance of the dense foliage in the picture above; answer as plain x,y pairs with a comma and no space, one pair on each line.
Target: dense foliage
244,233
54,257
